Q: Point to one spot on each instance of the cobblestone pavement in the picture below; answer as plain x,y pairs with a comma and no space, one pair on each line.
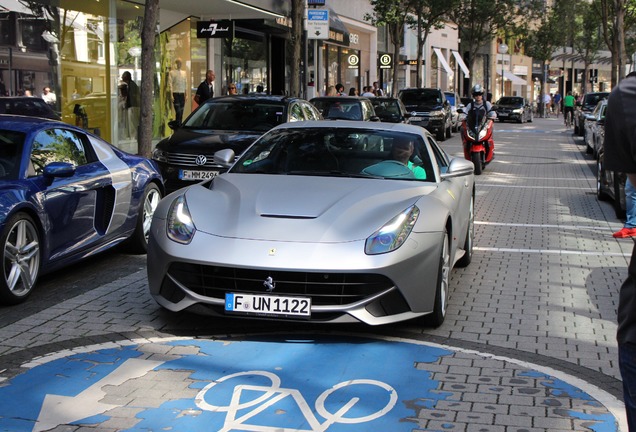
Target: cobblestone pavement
528,343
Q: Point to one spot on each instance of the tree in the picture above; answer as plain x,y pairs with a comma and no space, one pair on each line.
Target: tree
430,14
298,14
394,15
481,21
587,42
148,41
617,17
543,41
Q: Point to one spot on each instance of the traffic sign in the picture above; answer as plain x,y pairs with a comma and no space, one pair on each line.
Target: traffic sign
318,24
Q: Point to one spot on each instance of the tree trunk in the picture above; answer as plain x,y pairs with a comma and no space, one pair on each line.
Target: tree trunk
298,15
619,31
148,35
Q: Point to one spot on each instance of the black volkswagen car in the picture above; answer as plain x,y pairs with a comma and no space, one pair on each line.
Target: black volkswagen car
586,106
232,122
429,109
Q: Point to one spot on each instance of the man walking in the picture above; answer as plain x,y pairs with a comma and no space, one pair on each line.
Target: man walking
620,155
178,83
206,88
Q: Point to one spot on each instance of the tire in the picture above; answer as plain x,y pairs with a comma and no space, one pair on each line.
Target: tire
440,135
138,242
476,160
449,132
20,242
619,198
436,318
470,237
601,195
531,118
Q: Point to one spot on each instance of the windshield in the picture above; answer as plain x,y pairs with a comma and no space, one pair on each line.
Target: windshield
11,143
339,109
510,101
594,98
338,152
237,115
421,97
387,109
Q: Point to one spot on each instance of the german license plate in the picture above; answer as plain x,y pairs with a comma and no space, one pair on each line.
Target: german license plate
196,175
503,114
268,305
417,119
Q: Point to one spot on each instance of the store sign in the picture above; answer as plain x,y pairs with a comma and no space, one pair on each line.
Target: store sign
386,61
411,62
215,29
353,61
315,2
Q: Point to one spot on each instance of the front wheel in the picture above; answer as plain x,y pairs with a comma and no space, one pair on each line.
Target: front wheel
601,194
21,258
436,318
475,157
465,260
139,240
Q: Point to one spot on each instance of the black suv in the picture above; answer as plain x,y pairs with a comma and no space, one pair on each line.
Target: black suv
587,105
429,109
232,122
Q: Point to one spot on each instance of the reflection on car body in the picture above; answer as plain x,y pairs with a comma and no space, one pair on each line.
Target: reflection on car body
319,221
66,195
225,122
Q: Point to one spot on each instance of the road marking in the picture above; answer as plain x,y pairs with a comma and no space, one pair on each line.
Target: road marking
551,187
62,410
554,251
558,226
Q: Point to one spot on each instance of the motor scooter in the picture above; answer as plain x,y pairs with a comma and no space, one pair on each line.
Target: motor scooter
477,138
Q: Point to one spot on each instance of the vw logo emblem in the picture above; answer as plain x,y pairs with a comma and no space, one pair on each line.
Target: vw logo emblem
201,160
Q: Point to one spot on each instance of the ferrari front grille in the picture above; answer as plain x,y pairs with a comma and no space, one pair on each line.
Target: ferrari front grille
324,288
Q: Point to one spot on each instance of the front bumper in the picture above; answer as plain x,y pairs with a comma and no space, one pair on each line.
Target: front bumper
345,284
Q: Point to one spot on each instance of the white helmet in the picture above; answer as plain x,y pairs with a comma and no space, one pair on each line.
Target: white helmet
477,89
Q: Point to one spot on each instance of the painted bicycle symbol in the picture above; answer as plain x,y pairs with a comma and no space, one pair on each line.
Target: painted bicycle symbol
273,393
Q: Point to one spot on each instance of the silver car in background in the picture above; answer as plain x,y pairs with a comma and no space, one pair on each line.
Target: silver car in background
317,221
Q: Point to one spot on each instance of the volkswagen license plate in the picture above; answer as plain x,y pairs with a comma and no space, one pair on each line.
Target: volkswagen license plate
196,175
268,305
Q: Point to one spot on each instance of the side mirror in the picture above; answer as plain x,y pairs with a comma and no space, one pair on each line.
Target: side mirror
59,169
375,118
224,157
458,167
174,125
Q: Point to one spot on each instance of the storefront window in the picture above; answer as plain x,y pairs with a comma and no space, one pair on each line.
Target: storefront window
245,63
350,61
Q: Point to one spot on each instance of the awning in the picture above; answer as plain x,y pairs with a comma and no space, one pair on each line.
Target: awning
338,32
460,62
513,78
443,61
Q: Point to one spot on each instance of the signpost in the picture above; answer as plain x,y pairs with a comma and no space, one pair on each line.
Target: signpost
318,24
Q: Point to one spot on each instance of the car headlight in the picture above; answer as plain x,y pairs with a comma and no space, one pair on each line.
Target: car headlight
436,113
180,227
518,111
393,234
160,155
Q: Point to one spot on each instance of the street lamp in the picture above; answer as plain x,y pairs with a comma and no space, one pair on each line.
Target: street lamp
503,49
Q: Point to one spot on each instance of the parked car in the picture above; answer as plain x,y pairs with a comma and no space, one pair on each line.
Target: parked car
514,108
232,122
429,109
27,106
595,128
314,223
66,194
610,185
345,108
456,110
390,110
586,106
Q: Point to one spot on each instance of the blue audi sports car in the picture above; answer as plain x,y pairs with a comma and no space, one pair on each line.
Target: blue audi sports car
65,195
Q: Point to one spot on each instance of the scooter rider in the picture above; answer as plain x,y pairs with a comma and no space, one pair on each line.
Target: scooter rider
477,109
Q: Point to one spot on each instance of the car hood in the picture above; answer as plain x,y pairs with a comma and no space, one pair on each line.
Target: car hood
509,106
208,141
302,208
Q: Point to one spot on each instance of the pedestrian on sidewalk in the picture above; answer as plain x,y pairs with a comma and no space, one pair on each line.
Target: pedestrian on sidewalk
629,229
620,155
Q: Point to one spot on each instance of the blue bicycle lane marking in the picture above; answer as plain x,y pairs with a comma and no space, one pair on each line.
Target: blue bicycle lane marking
335,385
